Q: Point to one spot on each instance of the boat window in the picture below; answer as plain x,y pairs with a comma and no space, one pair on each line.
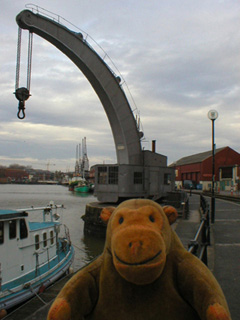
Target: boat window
52,237
23,229
12,229
37,243
45,239
1,232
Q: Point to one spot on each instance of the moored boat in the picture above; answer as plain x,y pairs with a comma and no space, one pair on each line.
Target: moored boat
71,185
82,186
82,189
34,254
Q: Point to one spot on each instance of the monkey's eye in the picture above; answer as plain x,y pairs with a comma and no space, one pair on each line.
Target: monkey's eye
121,220
151,218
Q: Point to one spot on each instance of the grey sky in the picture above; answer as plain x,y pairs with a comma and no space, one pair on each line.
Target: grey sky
179,58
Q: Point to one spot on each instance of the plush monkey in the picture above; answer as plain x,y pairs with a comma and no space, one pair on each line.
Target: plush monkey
144,273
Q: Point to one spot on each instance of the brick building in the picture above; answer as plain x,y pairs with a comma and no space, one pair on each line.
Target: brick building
13,175
198,169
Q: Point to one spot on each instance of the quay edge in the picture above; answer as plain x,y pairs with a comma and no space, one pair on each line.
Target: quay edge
94,226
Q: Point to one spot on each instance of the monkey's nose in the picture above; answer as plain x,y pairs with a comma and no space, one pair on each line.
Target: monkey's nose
135,246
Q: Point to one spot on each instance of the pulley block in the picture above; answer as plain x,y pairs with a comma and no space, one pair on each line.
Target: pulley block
22,94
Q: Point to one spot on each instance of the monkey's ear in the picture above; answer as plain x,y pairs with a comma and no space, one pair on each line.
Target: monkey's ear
106,214
171,213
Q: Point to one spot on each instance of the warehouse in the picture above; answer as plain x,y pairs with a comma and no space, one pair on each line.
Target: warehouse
197,168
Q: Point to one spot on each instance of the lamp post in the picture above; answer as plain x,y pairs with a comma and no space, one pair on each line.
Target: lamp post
212,115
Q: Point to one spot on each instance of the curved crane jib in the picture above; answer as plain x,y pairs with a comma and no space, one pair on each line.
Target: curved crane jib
102,79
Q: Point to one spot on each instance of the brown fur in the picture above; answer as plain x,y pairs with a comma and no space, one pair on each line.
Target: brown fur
143,273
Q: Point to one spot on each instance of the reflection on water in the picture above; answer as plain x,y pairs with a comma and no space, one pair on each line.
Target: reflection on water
81,195
24,196
92,246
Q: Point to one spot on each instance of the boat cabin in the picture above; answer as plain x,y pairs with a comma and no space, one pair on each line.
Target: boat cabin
32,253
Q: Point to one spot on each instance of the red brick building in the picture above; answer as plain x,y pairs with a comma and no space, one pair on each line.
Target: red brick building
198,169
12,175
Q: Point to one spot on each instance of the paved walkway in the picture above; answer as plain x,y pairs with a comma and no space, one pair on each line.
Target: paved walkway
226,243
224,252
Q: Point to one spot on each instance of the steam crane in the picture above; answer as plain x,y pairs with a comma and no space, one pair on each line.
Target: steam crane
138,173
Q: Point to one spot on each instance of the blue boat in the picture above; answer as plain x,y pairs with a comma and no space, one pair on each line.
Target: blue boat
33,254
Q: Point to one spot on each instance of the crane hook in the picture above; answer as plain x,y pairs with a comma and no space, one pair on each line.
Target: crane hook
22,94
21,108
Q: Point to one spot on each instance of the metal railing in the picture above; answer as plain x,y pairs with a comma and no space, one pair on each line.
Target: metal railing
180,201
185,206
198,245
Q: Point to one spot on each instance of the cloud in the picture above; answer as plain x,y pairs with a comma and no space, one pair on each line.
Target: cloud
179,59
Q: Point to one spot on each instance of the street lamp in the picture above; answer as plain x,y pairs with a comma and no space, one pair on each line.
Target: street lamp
212,115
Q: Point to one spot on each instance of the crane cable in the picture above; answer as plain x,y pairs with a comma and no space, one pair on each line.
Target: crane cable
23,93
18,58
29,68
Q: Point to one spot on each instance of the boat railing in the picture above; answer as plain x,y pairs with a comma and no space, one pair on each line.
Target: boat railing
52,240
50,210
62,246
67,233
48,207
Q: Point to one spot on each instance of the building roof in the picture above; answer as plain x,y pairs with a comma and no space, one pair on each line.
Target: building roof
195,158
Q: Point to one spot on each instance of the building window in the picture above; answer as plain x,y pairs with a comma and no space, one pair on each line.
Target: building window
227,173
37,242
1,232
45,239
23,229
113,175
167,179
138,178
12,229
51,237
102,175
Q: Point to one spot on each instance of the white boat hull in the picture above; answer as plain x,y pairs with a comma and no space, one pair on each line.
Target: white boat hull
33,254
30,289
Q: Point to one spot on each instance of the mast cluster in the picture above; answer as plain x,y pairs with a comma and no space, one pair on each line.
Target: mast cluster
82,162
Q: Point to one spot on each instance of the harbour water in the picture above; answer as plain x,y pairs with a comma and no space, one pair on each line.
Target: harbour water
14,196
